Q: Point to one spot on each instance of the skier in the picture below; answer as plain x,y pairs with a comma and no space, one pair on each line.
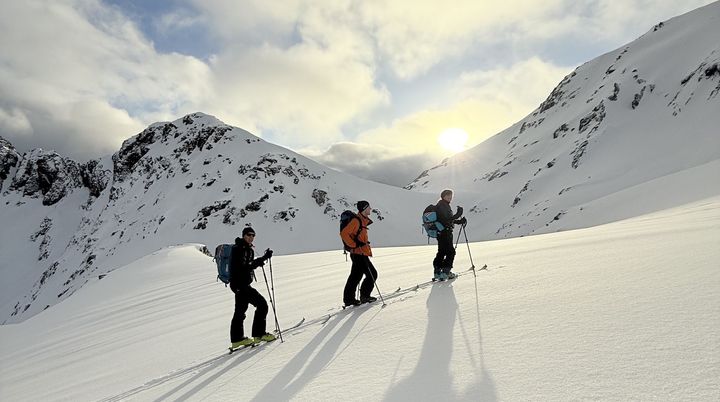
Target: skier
242,264
355,235
443,262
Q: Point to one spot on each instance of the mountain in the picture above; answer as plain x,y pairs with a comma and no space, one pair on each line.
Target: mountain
196,180
606,140
630,132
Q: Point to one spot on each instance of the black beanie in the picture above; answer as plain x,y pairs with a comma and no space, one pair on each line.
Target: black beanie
248,230
361,205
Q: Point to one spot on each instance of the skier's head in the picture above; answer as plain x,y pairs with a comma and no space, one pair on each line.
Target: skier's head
447,195
248,234
364,207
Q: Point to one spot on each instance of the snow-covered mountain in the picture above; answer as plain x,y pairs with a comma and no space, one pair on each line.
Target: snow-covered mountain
631,132
637,115
191,180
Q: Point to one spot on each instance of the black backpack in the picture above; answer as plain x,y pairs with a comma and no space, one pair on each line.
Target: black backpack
345,219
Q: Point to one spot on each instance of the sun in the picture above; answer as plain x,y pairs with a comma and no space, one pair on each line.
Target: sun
453,139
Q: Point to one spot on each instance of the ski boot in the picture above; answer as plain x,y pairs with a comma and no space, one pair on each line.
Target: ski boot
352,303
451,275
244,342
368,299
438,277
265,338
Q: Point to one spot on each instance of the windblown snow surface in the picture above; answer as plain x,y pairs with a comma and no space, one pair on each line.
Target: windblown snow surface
624,311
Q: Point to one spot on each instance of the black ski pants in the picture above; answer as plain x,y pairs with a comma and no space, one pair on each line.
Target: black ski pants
361,265
445,256
243,297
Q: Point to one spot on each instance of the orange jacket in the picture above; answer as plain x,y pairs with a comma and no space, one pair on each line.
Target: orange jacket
348,235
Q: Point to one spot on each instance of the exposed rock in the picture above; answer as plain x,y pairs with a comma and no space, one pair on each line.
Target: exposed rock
94,177
562,129
636,100
8,159
597,115
48,174
616,91
320,196
556,94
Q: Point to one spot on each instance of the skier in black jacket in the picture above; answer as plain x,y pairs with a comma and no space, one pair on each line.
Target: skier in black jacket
242,265
443,262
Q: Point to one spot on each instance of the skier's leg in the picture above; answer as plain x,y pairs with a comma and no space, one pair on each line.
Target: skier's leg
450,256
356,272
261,311
370,278
237,332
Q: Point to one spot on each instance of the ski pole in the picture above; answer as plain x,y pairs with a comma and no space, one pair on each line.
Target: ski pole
472,264
376,285
272,302
272,287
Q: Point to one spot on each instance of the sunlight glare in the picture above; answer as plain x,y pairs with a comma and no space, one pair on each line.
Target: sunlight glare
453,139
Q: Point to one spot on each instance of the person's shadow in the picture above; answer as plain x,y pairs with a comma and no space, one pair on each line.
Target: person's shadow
303,368
431,378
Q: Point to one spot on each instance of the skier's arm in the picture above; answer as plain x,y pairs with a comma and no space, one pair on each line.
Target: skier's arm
458,214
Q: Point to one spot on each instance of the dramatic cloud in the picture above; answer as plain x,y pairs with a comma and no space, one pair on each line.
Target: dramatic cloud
374,162
485,101
384,78
84,77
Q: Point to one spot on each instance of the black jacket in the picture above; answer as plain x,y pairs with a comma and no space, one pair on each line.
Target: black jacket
445,215
242,264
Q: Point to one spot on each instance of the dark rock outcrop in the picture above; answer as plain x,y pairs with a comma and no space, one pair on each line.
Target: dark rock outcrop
8,159
46,174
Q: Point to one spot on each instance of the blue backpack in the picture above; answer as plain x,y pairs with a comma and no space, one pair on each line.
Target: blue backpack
223,253
430,223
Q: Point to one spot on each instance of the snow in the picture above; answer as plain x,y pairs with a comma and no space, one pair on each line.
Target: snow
624,311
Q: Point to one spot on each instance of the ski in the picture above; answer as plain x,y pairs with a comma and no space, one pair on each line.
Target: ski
299,323
251,346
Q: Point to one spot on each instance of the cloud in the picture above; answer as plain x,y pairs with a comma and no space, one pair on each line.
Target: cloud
86,78
304,94
373,162
178,20
485,103
14,123
81,76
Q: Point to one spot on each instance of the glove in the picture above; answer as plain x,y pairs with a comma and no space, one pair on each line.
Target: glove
461,221
459,211
268,254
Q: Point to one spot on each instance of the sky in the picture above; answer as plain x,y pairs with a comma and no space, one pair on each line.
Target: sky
365,87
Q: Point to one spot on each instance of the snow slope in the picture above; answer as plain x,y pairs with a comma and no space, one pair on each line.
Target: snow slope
641,113
625,311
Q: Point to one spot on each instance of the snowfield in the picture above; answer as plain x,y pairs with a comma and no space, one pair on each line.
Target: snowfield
625,311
